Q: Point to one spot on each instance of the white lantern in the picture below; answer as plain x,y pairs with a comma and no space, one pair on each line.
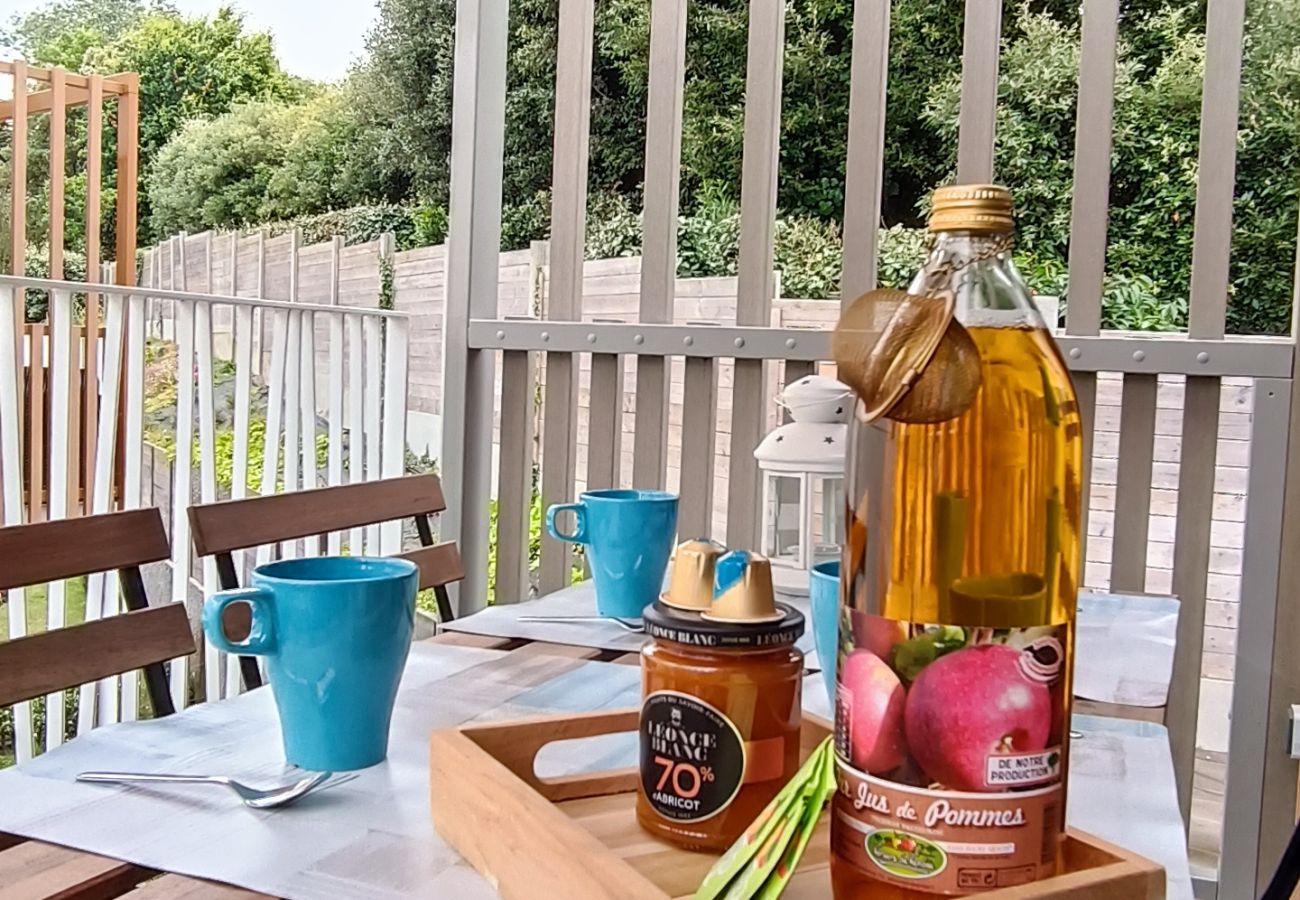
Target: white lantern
803,480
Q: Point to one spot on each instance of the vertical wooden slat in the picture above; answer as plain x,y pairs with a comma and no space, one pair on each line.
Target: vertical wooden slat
275,415
659,242
699,447
60,502
94,174
213,661
259,320
393,449
568,223
182,466
755,285
66,351
1212,237
243,352
356,419
133,451
865,160
979,91
515,476
292,416
1191,567
11,479
473,253
336,376
58,152
605,422
128,173
1133,484
18,205
307,401
370,389
794,370
1089,202
1261,775
37,356
99,588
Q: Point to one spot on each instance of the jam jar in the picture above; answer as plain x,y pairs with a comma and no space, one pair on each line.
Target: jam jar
720,723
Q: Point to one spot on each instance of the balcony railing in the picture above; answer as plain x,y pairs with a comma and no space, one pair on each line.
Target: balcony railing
200,397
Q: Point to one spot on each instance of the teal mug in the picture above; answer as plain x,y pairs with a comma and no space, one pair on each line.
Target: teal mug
335,632
629,536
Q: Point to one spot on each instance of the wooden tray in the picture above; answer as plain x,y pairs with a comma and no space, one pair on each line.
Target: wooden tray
577,837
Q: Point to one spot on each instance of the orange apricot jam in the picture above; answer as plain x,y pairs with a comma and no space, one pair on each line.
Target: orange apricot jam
720,721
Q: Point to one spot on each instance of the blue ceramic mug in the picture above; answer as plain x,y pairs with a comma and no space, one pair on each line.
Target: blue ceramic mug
335,632
824,599
629,537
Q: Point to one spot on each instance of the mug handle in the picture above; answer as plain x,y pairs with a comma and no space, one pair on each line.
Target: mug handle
261,636
579,535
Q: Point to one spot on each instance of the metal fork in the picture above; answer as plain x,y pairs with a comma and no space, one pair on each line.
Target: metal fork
252,797
632,625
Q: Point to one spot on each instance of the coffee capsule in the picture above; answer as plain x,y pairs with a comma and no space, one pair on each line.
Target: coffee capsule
691,586
742,589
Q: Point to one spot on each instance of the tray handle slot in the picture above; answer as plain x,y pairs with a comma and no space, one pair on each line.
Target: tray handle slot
516,745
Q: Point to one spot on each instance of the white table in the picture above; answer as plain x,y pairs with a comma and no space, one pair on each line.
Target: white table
371,837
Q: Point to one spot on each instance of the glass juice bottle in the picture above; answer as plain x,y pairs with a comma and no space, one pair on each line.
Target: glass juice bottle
961,567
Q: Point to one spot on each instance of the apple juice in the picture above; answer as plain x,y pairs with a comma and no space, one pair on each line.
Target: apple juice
961,568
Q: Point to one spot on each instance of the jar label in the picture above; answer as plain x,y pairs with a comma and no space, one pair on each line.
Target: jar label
692,757
950,748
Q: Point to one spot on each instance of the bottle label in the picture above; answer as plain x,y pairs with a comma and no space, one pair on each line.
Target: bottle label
949,742
692,757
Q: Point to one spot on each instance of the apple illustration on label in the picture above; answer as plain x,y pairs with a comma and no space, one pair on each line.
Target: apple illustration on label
877,634
972,704
876,700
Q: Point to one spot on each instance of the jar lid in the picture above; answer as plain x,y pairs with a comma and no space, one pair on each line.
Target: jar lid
688,627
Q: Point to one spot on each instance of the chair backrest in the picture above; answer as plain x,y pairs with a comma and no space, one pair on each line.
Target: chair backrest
142,638
221,528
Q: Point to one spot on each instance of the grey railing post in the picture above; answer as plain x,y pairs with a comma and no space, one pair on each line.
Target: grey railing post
473,245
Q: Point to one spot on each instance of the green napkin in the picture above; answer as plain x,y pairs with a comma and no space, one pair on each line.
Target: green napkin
762,860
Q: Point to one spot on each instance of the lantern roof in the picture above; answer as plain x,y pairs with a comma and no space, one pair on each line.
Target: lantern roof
815,447
816,398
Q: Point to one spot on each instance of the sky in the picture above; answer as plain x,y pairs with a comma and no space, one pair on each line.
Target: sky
316,39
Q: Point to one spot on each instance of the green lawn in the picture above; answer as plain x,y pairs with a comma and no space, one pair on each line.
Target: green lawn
38,607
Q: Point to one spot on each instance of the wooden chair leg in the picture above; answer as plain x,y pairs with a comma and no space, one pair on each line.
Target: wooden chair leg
444,604
155,676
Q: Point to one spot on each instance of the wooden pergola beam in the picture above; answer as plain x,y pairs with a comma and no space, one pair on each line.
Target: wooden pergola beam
113,84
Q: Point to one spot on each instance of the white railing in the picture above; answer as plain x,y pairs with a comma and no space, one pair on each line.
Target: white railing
284,368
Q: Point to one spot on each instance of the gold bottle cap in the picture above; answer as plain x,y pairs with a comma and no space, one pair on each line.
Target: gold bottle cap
981,208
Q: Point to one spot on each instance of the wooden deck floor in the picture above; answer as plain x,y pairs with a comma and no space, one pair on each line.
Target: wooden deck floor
1207,813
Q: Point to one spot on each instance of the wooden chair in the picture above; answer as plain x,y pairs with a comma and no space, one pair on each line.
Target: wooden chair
221,528
143,638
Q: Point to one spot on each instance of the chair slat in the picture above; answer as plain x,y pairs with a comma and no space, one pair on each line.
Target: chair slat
68,548
439,565
238,524
55,660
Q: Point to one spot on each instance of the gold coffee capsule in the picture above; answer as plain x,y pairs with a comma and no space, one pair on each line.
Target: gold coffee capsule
691,586
742,589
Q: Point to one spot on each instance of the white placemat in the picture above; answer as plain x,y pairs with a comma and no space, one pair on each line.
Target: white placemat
1124,648
1124,643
